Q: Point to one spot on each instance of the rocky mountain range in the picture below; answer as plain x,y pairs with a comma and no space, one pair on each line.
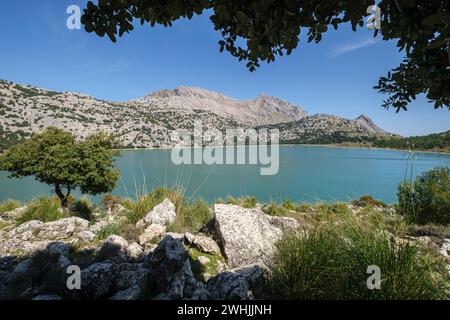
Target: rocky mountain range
148,122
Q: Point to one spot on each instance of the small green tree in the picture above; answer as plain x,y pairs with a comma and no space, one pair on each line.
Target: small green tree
56,158
427,199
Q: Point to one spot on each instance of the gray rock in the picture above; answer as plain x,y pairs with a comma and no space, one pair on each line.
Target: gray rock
205,244
285,223
206,276
178,236
56,230
21,248
445,249
63,262
97,280
162,214
130,275
86,236
228,286
25,231
135,251
23,267
44,297
132,293
62,229
247,235
58,248
151,232
171,272
113,248
189,237
167,259
254,275
149,248
13,214
98,226
203,260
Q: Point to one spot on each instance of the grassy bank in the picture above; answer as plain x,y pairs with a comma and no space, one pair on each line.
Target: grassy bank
326,258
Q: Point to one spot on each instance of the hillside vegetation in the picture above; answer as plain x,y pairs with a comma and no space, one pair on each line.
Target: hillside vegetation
434,142
148,122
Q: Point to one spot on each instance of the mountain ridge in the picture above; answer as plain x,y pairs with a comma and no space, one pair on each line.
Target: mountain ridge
148,121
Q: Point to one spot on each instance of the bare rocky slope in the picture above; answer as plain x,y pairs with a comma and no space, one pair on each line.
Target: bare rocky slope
148,122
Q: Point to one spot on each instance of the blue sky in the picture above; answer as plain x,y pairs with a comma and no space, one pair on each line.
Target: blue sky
335,76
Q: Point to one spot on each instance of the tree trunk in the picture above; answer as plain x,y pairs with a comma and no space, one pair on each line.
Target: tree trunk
64,198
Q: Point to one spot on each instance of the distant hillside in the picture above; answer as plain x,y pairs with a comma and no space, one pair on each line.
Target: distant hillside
436,142
329,129
149,121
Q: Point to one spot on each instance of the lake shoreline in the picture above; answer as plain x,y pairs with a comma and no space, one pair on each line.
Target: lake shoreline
335,146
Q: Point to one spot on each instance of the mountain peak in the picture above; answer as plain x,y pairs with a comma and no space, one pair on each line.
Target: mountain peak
188,92
368,124
365,118
262,110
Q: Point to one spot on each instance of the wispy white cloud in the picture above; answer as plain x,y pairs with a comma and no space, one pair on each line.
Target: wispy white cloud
106,69
352,46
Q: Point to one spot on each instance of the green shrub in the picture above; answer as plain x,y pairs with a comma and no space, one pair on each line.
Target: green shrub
275,210
108,230
427,199
9,205
83,208
248,202
332,263
124,229
368,200
430,230
232,200
197,268
127,203
288,205
43,209
109,200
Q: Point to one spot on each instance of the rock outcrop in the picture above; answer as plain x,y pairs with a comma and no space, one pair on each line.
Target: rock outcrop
248,235
34,235
162,214
171,272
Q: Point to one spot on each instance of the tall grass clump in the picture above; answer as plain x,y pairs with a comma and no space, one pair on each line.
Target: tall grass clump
427,199
191,217
9,205
288,205
245,201
43,209
83,208
140,208
332,263
275,210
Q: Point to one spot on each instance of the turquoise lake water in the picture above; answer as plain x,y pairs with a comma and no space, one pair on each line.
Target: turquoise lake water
305,174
